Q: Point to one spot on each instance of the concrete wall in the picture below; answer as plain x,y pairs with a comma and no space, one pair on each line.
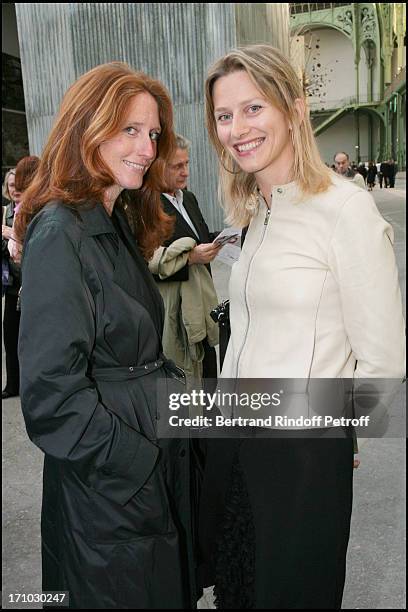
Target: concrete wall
341,137
9,38
329,64
173,42
271,24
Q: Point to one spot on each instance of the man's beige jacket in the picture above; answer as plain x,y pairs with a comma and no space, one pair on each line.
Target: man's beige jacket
187,306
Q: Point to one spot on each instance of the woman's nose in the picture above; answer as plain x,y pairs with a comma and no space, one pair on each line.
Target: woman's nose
147,148
239,126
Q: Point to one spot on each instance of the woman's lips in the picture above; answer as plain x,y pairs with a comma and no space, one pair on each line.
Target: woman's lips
247,148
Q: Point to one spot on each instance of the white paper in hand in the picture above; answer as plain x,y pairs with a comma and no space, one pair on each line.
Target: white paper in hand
229,235
229,254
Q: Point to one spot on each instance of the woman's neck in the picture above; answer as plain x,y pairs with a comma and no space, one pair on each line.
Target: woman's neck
278,173
110,196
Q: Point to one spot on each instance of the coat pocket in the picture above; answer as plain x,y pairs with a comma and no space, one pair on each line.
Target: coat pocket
146,514
144,409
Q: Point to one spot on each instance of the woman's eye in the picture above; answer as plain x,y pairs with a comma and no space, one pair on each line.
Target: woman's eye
131,131
154,136
224,117
254,108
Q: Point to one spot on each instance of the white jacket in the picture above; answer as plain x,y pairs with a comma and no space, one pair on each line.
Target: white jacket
316,289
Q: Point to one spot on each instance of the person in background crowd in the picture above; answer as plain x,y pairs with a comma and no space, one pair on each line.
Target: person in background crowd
10,289
25,172
116,523
190,345
392,171
385,173
379,174
363,171
314,295
343,167
9,195
371,174
5,192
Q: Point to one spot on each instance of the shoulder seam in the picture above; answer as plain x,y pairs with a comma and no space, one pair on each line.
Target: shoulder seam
344,204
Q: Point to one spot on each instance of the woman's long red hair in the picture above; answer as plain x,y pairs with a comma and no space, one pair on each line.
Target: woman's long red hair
71,168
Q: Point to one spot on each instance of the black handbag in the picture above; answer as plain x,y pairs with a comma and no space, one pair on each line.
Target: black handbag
221,315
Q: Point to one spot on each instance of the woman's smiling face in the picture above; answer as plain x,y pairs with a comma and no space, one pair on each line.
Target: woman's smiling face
253,131
130,153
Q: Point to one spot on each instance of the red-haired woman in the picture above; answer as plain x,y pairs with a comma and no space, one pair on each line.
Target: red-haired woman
115,515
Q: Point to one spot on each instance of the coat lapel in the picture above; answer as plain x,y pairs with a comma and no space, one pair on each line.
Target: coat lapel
193,213
181,228
124,274
131,266
130,270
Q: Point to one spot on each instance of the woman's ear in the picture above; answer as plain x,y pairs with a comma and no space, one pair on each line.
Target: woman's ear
300,106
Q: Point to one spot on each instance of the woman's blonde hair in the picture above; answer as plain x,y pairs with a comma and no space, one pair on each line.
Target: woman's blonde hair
278,82
71,167
5,190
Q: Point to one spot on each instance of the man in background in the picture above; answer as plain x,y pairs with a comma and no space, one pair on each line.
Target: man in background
189,223
385,172
342,166
392,171
363,171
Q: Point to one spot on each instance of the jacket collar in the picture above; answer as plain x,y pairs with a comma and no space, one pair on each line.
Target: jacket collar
181,223
178,196
96,219
290,192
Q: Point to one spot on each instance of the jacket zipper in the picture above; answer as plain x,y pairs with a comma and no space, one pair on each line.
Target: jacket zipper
265,224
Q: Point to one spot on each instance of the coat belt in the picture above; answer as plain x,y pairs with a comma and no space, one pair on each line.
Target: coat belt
123,373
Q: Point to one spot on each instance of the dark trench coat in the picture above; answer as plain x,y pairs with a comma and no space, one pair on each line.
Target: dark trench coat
116,524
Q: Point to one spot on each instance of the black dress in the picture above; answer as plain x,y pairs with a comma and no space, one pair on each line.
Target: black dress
274,521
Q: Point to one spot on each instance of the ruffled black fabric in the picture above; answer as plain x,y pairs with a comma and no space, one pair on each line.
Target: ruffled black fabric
235,551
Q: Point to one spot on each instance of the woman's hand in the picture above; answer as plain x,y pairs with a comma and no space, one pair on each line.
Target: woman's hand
6,232
15,249
203,253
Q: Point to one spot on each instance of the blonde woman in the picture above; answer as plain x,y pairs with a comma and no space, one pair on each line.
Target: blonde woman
314,295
